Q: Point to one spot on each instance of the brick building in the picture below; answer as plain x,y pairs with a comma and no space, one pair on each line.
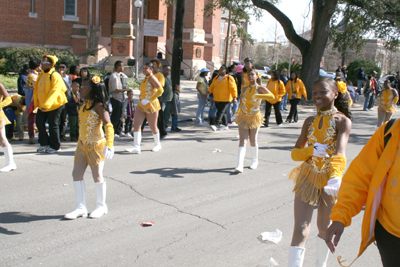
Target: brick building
96,29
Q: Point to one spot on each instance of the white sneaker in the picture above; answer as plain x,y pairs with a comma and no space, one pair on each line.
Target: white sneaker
280,125
234,124
214,128
223,128
128,135
42,149
133,150
122,135
116,136
52,150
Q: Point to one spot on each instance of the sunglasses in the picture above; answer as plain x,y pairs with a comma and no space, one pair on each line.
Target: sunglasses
61,67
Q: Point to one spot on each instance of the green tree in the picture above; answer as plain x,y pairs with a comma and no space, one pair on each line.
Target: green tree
239,12
261,55
381,17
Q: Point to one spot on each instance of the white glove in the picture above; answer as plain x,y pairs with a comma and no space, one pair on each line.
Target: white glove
108,153
145,102
332,188
234,116
320,150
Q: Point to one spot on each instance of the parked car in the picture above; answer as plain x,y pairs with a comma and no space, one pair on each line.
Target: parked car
326,74
267,69
386,77
264,74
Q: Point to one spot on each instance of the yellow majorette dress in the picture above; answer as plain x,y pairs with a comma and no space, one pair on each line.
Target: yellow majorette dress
91,140
386,101
3,118
147,91
313,174
249,115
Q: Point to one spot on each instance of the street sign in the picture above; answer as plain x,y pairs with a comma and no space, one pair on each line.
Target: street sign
154,28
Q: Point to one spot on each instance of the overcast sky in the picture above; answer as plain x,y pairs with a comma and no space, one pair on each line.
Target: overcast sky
294,9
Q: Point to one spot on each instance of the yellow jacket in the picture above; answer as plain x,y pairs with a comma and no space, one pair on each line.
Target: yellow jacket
47,94
296,87
365,181
278,89
224,90
160,77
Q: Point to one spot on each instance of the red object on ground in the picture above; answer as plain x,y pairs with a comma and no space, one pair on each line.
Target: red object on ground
147,224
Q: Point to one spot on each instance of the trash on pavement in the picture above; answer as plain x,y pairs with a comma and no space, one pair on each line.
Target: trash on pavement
272,262
217,150
147,224
274,237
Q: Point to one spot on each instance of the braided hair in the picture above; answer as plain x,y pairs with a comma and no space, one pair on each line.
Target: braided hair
98,94
342,101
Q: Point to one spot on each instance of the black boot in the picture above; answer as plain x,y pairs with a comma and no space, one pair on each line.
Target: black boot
212,120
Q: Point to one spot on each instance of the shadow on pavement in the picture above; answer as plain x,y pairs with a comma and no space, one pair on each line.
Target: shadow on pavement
22,217
180,172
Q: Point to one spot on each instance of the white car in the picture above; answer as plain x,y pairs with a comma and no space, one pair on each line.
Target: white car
264,74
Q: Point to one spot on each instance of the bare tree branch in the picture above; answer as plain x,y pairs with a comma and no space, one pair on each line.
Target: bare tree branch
286,24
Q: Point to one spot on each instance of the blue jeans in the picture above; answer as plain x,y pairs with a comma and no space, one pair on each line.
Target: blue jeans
367,99
234,107
200,109
213,109
174,121
283,102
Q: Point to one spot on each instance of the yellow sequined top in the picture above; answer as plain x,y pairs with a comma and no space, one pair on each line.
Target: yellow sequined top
147,91
3,103
90,125
313,174
249,115
386,101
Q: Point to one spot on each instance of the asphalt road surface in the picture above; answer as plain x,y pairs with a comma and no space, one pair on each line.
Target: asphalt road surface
204,214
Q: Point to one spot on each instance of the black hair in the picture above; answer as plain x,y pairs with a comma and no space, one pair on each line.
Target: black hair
149,64
72,69
98,94
342,101
77,80
157,63
117,64
88,72
215,74
64,63
295,72
276,75
34,63
230,68
25,67
203,74
224,67
166,65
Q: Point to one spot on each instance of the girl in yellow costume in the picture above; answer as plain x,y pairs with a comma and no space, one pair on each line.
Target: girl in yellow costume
387,103
92,147
148,107
249,118
318,178
8,152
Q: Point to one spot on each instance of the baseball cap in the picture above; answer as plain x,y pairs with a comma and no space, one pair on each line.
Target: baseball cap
204,70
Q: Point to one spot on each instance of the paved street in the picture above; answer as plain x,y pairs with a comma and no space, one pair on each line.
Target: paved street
204,214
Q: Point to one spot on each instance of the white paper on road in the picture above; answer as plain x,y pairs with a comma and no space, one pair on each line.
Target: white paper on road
272,262
274,237
217,150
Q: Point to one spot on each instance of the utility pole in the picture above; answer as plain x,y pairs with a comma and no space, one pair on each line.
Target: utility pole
177,50
227,37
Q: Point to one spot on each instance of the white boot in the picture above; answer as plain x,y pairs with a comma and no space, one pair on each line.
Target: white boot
10,164
322,252
157,146
136,143
254,164
101,208
296,256
80,210
242,153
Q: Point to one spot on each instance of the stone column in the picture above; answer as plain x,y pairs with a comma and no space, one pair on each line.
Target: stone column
123,38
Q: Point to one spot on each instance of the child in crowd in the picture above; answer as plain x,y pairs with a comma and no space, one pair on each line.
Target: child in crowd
176,108
73,109
18,103
128,111
92,147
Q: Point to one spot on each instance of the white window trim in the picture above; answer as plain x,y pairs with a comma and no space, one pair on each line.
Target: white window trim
32,14
223,28
70,17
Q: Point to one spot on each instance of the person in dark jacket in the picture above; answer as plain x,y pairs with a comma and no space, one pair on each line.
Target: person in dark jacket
23,74
72,106
360,79
285,79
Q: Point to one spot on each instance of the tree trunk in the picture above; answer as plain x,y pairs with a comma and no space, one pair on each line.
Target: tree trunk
177,48
227,38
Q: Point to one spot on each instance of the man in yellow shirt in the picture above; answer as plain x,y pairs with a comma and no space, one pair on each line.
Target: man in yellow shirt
49,97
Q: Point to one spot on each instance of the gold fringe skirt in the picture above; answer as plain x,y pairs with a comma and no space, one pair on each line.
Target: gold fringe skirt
390,109
249,121
151,107
91,154
3,119
309,183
